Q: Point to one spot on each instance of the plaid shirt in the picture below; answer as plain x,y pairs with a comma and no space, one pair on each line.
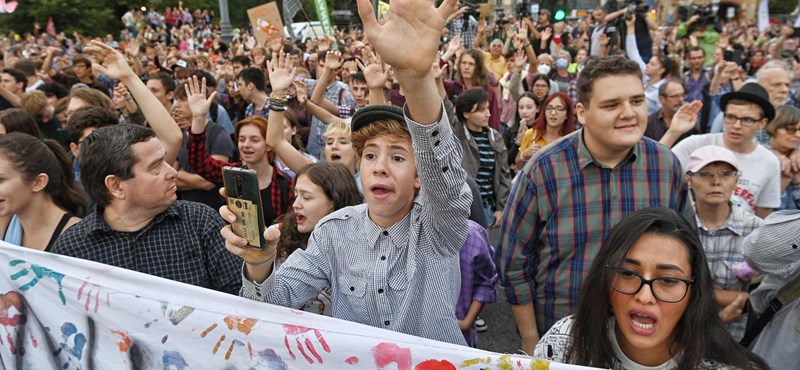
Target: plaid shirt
211,170
563,206
338,94
181,243
478,275
723,249
457,28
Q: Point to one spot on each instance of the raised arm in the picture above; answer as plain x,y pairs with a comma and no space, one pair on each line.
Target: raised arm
327,74
376,73
201,161
155,113
281,79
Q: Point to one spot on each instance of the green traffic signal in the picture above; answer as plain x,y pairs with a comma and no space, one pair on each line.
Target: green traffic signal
560,15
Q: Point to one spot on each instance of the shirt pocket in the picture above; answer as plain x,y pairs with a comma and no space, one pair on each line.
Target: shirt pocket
353,289
398,282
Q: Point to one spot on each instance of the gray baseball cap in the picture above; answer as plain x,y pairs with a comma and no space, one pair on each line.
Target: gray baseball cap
774,248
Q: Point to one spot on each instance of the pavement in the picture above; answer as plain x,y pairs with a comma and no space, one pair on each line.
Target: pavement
501,335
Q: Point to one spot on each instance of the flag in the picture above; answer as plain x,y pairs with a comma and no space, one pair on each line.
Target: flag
763,15
324,17
63,312
51,27
290,9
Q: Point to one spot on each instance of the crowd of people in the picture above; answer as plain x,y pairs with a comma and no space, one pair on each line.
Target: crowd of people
610,152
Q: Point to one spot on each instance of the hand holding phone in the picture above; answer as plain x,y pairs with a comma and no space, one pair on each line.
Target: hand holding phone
244,201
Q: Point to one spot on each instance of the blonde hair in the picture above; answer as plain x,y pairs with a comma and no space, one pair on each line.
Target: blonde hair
34,103
338,128
384,127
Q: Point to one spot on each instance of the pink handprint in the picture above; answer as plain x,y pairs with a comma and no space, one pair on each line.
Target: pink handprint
302,339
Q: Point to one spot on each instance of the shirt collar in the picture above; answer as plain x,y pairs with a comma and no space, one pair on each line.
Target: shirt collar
735,222
586,158
397,233
99,223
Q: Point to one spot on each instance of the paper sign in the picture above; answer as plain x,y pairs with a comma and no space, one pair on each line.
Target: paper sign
265,19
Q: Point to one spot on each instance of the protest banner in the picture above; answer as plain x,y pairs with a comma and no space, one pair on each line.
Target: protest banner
324,16
265,20
66,313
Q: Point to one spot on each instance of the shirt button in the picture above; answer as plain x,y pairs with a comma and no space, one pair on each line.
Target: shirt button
437,143
386,323
383,258
352,288
445,168
435,133
385,233
380,290
258,294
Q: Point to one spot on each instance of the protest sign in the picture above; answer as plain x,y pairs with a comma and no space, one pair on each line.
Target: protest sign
265,20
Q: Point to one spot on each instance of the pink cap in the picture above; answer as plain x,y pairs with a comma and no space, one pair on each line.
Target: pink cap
710,154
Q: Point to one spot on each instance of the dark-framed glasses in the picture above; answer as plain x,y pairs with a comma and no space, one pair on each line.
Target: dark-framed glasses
746,121
552,109
665,289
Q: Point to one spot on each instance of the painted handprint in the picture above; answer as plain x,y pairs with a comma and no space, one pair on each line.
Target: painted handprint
302,338
234,324
12,314
90,290
72,345
39,273
390,353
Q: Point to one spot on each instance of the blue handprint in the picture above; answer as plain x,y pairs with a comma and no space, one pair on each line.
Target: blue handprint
74,350
39,273
173,359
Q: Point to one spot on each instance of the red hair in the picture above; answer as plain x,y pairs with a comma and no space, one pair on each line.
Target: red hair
540,125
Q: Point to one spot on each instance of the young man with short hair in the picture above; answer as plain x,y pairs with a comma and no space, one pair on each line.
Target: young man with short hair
393,262
745,112
252,86
570,195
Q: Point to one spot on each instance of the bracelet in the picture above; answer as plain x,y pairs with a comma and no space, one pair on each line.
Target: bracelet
278,107
279,99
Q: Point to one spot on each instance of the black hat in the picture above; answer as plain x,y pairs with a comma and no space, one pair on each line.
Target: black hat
372,113
751,92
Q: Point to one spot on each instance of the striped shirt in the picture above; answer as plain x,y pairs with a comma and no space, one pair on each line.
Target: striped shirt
338,94
560,210
723,249
404,278
486,166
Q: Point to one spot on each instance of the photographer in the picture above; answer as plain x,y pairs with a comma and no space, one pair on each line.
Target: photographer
464,23
642,26
704,32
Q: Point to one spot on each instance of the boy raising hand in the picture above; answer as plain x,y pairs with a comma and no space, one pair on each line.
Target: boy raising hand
394,261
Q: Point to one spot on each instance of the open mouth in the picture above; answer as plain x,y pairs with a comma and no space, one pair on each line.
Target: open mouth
300,218
380,190
642,323
336,157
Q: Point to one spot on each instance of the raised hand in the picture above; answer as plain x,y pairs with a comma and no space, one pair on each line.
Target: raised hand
333,60
281,77
115,67
686,117
546,33
410,22
376,73
132,48
302,92
196,96
454,45
481,26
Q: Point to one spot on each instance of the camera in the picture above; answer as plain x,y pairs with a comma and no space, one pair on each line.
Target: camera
472,11
707,13
636,7
523,9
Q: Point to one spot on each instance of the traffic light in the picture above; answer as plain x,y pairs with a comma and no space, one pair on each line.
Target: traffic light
560,11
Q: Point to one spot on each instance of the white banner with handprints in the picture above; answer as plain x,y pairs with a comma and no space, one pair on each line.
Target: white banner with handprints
66,313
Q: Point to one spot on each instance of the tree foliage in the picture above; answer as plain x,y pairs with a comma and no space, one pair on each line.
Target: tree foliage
99,17
782,6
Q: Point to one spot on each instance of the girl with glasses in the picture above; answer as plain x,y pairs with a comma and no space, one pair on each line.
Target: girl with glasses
647,302
557,119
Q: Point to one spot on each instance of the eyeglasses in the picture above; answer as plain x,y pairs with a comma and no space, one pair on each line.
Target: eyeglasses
676,96
746,121
541,87
665,289
552,109
791,130
723,174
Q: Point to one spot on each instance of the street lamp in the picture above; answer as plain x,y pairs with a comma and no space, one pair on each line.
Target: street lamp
225,28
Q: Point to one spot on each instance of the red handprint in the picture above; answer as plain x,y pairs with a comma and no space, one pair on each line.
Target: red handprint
302,339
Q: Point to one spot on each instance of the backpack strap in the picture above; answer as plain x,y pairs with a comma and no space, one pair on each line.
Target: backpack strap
786,295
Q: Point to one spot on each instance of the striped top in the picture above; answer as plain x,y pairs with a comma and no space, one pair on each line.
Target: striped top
563,206
486,167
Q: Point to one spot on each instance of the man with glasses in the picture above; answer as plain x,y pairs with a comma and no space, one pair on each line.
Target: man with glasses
745,111
712,174
671,95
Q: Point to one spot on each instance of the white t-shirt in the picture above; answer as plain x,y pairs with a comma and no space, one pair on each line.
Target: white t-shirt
759,172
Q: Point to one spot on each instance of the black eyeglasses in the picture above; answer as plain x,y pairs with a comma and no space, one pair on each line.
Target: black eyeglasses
665,289
746,121
552,109
791,130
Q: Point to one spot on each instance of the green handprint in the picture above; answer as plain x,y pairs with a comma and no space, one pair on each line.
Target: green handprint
39,273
